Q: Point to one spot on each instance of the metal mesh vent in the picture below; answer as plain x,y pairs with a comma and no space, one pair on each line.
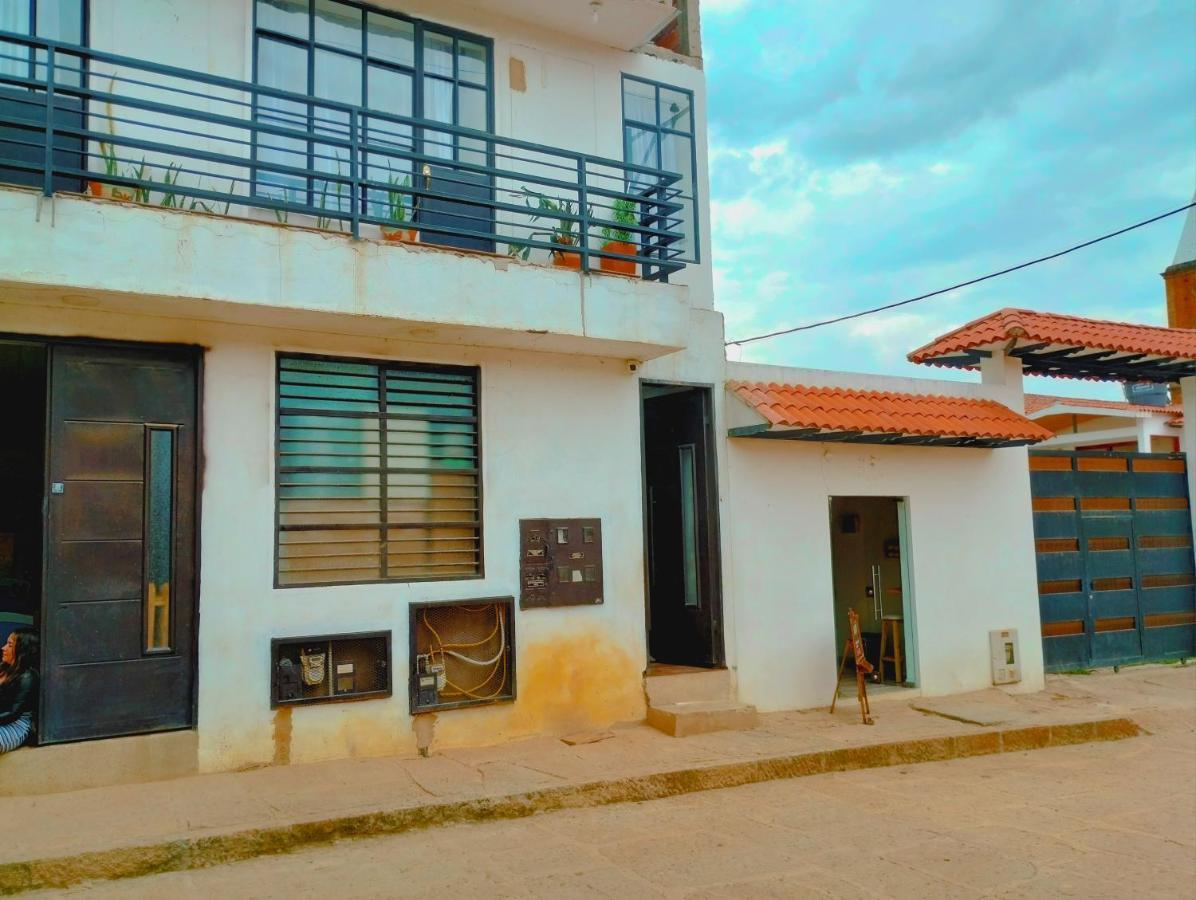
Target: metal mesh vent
462,653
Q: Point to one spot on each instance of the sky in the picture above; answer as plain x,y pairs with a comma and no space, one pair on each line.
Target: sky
865,152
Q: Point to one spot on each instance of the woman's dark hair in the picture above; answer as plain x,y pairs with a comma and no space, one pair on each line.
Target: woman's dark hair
25,653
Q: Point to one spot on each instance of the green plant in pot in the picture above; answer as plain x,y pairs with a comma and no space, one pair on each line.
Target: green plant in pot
617,239
398,215
564,232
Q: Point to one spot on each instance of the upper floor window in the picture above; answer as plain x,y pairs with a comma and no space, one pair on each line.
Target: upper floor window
349,53
56,20
658,132
377,475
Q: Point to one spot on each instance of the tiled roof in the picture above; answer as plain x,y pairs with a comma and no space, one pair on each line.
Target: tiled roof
1038,402
832,409
1066,331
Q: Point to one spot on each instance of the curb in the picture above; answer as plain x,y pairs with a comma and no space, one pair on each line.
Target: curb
195,853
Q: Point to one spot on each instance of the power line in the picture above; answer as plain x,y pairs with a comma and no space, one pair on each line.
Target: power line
962,284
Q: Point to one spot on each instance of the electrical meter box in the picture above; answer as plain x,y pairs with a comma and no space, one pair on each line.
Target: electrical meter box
1006,656
560,562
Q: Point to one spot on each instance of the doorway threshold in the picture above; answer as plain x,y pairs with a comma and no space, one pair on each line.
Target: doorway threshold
656,669
880,692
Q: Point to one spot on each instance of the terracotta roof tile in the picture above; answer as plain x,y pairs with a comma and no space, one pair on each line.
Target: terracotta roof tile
1073,331
1039,402
797,406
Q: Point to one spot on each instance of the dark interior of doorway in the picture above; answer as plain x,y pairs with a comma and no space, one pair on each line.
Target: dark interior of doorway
866,556
22,465
684,608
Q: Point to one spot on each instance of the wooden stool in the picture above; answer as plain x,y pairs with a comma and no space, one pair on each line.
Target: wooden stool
891,628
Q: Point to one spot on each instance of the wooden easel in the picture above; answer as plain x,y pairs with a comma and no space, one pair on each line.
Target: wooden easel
855,645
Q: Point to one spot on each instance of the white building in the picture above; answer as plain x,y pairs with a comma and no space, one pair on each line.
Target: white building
348,444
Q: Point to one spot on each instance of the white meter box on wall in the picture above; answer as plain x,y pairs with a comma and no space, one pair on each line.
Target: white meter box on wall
1006,656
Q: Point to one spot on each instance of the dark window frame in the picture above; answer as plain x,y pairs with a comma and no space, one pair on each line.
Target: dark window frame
695,254
416,72
384,366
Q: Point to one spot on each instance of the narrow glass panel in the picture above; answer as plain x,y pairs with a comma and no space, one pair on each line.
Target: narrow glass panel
674,110
471,103
677,156
159,538
689,525
14,16
59,20
639,101
281,66
285,16
391,39
338,25
642,149
438,54
472,62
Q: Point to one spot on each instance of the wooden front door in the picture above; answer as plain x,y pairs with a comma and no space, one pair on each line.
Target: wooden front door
119,599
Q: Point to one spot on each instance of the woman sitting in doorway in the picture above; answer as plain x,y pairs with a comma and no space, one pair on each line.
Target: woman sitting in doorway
18,688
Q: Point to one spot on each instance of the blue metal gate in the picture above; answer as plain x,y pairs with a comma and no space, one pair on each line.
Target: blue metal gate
1113,538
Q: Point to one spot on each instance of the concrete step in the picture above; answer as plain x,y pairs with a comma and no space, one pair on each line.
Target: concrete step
680,685
701,716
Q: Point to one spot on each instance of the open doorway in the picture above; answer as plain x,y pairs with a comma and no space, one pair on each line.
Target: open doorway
684,608
22,468
869,553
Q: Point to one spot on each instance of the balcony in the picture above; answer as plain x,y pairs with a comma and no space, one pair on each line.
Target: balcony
121,128
420,210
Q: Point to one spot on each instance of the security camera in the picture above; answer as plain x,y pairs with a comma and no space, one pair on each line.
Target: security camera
633,366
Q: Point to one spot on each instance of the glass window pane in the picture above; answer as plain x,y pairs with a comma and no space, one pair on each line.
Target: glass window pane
472,62
338,25
642,149
285,16
159,556
639,101
391,39
281,66
59,20
677,157
438,100
471,104
14,16
689,525
674,110
338,77
389,91
438,54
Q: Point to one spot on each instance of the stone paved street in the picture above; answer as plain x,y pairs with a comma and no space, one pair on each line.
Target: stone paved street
1096,820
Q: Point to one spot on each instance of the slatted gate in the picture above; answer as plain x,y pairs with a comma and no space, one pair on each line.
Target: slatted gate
1113,540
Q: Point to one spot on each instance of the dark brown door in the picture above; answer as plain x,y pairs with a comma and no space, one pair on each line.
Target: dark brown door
119,602
683,585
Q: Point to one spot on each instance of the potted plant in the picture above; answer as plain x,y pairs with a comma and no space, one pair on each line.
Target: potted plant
618,239
396,212
564,232
106,189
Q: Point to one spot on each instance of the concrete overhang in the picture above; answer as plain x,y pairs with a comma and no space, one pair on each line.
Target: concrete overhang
622,24
95,254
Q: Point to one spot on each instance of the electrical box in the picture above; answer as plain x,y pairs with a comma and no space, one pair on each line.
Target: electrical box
1006,656
560,562
330,667
462,653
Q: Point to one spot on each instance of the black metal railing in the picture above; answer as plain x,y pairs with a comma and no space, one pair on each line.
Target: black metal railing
78,119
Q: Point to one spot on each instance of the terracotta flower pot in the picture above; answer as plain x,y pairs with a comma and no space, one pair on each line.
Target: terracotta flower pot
110,191
566,260
400,235
619,266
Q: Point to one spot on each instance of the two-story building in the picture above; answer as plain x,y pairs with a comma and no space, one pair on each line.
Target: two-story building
366,395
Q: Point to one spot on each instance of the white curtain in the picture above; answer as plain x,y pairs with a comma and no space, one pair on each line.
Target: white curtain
14,16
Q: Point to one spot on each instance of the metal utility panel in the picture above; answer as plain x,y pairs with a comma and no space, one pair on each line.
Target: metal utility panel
560,562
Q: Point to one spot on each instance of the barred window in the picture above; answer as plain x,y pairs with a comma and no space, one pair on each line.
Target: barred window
377,475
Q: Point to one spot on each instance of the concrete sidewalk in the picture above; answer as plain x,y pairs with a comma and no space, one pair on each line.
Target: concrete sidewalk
191,822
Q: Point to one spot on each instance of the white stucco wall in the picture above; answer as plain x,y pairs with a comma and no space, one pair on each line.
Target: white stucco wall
970,543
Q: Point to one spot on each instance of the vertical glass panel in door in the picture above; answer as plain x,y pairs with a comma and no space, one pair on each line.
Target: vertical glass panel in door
677,156
390,144
438,54
159,538
473,62
14,58
282,66
689,524
338,78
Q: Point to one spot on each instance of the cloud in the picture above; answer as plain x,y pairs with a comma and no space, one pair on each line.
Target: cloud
865,153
